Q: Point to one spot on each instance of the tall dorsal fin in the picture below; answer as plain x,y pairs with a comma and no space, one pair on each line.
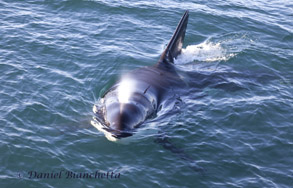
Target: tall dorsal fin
174,47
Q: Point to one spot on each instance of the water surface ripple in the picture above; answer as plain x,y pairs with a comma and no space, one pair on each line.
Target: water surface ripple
234,118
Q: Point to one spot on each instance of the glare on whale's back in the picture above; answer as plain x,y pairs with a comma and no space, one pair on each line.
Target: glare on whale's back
125,89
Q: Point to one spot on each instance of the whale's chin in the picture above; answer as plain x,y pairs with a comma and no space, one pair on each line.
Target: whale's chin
111,136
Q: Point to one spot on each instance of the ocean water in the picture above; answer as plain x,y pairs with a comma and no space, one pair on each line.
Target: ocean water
234,119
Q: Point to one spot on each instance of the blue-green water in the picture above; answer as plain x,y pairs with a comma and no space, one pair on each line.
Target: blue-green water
234,118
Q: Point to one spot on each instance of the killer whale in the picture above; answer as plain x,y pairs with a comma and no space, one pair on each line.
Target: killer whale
140,93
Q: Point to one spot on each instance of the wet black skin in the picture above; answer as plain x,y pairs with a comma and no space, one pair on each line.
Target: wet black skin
153,86
121,119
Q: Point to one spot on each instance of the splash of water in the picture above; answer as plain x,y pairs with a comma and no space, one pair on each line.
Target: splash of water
206,51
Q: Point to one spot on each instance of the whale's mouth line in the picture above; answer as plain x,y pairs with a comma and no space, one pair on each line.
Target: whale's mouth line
103,127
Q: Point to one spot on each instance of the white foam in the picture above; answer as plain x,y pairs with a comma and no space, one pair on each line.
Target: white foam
144,132
206,51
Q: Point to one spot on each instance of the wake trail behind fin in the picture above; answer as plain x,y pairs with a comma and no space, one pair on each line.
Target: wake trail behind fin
174,47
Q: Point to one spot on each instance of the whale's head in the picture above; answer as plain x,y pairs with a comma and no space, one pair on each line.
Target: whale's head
123,109
118,120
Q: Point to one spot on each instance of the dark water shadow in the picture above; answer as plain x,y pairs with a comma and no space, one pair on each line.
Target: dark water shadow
165,142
